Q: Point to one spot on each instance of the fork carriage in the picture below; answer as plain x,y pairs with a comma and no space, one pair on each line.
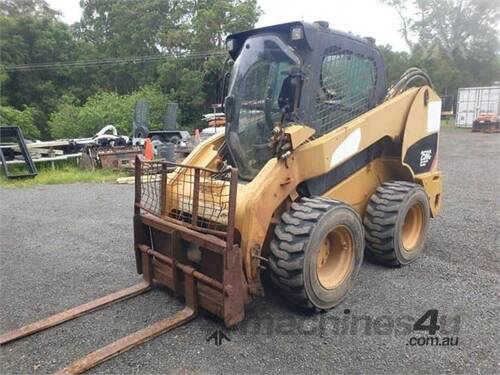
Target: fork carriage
184,225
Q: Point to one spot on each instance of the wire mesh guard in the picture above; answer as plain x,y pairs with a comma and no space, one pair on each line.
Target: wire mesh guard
192,195
348,83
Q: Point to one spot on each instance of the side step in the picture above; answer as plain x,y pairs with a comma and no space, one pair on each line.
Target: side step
126,343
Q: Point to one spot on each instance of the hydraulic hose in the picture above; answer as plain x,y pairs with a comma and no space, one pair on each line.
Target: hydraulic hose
408,77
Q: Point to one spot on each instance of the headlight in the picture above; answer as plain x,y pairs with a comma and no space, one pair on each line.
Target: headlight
297,33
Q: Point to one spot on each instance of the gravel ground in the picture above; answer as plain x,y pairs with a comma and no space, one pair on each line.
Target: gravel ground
65,245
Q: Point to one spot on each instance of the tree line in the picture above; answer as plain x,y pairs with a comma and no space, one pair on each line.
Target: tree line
158,49
165,51
455,41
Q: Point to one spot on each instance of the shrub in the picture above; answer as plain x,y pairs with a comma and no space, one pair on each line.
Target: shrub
24,119
105,108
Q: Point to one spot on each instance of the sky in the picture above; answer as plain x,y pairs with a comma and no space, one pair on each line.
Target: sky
361,17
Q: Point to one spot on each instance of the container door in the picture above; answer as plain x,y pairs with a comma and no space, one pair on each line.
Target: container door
489,99
466,107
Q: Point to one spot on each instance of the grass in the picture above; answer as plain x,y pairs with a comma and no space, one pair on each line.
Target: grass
63,174
449,123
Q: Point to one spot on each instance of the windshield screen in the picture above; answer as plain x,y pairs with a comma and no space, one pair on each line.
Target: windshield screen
257,83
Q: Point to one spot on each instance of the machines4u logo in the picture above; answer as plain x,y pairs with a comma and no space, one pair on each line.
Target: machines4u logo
425,156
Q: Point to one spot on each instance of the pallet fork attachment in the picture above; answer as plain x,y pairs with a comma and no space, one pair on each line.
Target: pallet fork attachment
121,345
137,338
162,241
73,313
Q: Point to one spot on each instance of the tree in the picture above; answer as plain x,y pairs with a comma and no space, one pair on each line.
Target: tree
64,121
31,33
38,8
395,63
116,50
168,30
71,120
24,119
135,28
213,20
193,81
455,40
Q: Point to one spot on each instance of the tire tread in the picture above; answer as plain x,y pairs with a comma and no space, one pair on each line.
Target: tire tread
380,219
286,258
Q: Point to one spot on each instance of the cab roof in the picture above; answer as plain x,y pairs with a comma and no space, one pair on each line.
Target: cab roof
312,32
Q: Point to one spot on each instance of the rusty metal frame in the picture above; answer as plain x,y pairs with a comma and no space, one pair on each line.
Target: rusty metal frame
74,313
181,176
112,157
224,298
137,338
119,346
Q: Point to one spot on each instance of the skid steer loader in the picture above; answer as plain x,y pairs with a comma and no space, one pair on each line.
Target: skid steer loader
319,165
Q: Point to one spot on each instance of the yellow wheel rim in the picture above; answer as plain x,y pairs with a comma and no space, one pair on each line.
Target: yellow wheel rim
412,227
335,257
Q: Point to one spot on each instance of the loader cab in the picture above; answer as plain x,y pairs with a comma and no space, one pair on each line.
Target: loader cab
295,73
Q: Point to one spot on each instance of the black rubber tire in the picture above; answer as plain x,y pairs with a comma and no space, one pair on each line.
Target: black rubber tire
157,138
384,219
295,247
174,139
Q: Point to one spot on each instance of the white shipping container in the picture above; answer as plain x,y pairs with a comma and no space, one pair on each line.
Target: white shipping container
473,101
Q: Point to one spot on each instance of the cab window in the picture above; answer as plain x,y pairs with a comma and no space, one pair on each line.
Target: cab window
347,85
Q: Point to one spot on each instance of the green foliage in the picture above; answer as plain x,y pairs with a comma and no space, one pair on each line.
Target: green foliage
105,108
184,86
153,27
446,77
77,101
24,119
214,19
395,63
445,74
455,41
31,33
63,122
24,7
